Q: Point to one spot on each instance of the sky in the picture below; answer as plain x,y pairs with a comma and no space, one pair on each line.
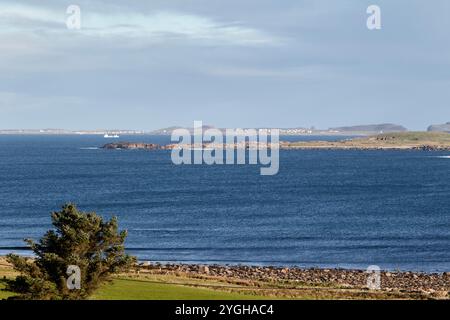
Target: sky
238,63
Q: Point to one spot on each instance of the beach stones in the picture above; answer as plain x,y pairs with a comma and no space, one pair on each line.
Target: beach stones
204,269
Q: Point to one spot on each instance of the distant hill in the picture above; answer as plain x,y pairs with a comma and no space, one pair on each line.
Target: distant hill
372,128
164,131
359,129
168,130
439,127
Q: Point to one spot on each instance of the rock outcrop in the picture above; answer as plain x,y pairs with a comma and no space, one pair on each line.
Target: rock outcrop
132,146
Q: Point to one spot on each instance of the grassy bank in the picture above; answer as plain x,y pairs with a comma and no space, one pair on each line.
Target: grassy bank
191,282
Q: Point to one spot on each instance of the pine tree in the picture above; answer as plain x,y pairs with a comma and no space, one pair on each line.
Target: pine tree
78,239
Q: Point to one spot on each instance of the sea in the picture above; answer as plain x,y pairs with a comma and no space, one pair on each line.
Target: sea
324,208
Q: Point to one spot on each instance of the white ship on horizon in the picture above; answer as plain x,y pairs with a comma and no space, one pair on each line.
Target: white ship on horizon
114,136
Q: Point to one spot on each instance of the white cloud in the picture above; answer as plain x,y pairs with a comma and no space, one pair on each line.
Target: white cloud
156,26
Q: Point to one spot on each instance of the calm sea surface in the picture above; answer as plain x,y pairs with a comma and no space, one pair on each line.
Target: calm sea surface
324,208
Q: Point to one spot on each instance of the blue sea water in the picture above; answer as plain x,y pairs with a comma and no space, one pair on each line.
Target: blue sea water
325,208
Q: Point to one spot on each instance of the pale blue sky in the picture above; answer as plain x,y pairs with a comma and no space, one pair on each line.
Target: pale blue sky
235,63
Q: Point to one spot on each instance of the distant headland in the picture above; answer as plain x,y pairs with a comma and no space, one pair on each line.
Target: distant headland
300,131
356,130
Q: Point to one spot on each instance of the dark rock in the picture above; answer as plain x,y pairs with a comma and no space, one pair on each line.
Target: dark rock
132,146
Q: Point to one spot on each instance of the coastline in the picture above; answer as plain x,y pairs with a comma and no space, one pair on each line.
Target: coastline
427,285
283,282
313,145
400,141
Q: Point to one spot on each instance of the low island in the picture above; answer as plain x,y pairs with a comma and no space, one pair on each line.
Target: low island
428,141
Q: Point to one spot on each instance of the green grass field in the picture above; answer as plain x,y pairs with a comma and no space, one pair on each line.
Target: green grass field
4,294
128,289
159,287
401,140
414,136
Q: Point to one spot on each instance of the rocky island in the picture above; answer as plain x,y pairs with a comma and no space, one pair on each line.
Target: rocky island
132,146
426,141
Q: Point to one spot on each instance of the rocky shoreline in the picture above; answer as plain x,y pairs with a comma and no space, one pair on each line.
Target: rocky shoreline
131,146
293,282
283,145
425,285
422,141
